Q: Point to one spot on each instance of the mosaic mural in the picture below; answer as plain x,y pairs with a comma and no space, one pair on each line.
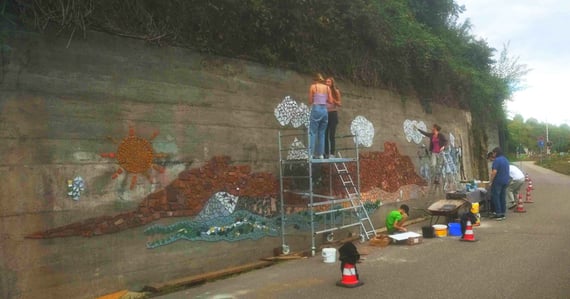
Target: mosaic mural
238,226
135,156
211,190
450,163
293,113
220,205
223,201
241,225
410,131
451,139
297,151
75,187
424,158
364,131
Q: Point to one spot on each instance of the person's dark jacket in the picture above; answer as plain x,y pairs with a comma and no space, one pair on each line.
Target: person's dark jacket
348,253
440,136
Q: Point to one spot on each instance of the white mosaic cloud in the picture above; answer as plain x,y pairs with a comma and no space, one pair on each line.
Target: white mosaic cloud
364,130
410,131
291,112
301,116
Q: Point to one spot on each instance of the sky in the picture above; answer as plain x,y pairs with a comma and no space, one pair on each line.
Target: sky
537,33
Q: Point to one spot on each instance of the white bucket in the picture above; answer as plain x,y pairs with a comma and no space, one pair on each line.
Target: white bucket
329,255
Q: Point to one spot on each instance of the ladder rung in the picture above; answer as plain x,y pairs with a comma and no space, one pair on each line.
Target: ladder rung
329,202
333,211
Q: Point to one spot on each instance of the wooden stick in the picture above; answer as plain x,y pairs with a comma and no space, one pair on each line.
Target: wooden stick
196,279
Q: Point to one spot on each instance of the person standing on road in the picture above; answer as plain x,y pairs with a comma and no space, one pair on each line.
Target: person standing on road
499,181
515,185
332,108
319,96
437,144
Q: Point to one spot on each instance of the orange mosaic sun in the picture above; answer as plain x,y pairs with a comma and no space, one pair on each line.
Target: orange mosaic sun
136,156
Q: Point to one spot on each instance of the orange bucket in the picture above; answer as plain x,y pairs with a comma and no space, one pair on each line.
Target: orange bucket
440,230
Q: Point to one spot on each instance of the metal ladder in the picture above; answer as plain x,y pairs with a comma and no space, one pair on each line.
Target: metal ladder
351,190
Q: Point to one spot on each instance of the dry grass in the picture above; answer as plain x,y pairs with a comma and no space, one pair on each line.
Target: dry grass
558,164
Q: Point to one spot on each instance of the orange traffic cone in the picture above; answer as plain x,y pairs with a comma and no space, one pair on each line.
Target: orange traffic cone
520,206
469,236
349,277
528,195
530,184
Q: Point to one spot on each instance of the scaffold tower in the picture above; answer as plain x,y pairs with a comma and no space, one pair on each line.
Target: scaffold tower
305,200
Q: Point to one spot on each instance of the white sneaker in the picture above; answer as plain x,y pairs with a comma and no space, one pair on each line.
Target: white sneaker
320,157
331,156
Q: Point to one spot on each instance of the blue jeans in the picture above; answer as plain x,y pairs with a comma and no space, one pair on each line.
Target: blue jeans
317,127
499,198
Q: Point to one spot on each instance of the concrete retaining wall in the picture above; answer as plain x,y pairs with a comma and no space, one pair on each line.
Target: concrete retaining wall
60,108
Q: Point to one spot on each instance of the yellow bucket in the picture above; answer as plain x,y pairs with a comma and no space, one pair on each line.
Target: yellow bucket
440,230
475,208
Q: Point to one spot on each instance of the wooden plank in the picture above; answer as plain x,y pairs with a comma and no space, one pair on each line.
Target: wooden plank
196,279
282,258
116,295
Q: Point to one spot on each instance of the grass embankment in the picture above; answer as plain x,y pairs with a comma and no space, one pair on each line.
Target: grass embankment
558,164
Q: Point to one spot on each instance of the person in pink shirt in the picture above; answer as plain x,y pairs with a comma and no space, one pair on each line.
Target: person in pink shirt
437,144
319,96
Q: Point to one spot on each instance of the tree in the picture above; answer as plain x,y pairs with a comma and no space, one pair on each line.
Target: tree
510,70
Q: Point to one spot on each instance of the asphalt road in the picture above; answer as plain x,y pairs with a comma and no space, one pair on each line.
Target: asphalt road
525,256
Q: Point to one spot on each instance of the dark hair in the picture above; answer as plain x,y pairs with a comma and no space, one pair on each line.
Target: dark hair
405,208
498,151
489,155
437,127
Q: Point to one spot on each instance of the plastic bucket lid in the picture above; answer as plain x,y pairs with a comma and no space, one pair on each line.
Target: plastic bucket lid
439,227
